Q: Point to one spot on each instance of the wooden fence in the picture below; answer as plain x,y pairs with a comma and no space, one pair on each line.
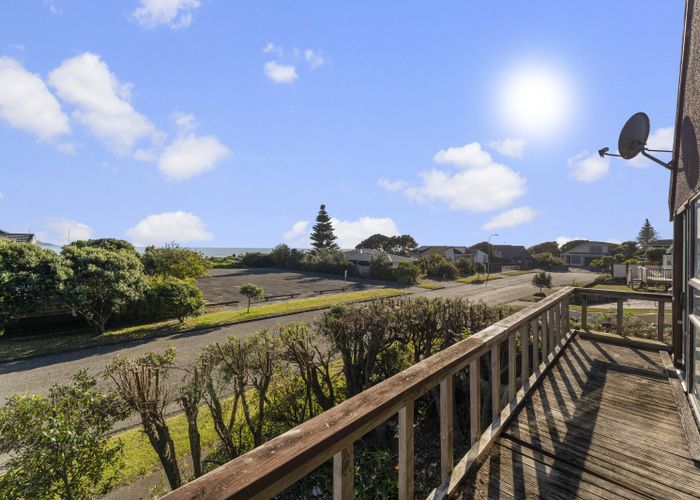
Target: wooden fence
536,335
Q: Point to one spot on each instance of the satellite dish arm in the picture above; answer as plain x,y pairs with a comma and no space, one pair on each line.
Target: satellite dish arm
662,163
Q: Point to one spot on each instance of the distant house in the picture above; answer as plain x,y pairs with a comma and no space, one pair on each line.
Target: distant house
453,253
511,256
584,253
667,258
665,244
361,257
18,237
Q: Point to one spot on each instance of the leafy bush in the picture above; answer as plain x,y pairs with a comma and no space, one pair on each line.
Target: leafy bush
406,273
547,260
542,280
465,266
257,259
440,267
170,297
173,260
252,291
380,267
28,275
57,445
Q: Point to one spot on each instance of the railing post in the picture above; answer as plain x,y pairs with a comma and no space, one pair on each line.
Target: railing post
446,429
584,313
566,314
343,469
475,399
620,305
661,318
535,345
406,452
495,381
511,365
557,324
524,355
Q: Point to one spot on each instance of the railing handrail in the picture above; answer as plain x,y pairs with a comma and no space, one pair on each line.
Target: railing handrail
622,294
278,463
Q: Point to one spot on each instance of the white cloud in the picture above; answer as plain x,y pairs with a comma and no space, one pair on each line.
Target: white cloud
562,240
174,13
280,73
27,104
661,138
102,102
512,147
184,121
476,190
392,185
469,155
190,156
315,59
49,4
510,218
586,167
298,235
614,241
159,229
62,231
271,48
67,148
349,233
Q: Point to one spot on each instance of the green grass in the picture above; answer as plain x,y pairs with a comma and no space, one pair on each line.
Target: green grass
518,272
621,288
478,278
430,286
24,348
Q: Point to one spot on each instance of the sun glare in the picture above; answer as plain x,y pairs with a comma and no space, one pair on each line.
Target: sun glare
536,100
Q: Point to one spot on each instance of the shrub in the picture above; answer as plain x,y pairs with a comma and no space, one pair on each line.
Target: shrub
257,259
380,267
440,267
406,273
170,297
28,275
547,260
102,282
252,291
281,255
465,266
58,445
542,280
173,260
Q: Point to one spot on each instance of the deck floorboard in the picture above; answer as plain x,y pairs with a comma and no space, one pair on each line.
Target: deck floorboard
602,424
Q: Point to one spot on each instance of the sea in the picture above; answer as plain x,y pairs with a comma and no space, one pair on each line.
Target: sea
207,251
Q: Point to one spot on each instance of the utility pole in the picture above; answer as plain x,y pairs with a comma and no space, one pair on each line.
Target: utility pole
488,262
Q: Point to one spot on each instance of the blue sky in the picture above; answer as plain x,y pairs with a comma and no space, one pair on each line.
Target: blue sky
222,123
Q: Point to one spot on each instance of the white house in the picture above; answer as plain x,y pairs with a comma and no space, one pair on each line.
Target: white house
582,254
361,257
454,253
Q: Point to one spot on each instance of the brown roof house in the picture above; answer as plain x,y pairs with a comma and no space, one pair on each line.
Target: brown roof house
18,237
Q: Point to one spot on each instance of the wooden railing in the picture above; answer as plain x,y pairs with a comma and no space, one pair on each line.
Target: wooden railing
583,294
541,330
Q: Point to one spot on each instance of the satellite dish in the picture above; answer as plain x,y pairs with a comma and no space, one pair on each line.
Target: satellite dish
633,136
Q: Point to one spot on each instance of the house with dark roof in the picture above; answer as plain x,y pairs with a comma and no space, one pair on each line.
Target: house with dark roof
361,257
511,256
453,253
659,244
18,237
584,253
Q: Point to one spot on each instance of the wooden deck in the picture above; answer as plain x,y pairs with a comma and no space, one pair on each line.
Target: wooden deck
602,424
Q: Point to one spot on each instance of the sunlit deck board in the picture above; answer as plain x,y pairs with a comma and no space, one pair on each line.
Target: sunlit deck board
602,424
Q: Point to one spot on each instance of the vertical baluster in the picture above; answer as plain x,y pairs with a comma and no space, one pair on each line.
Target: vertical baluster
660,320
343,468
475,399
560,321
547,325
406,451
495,381
555,331
524,355
566,315
511,365
584,313
620,306
446,429
535,345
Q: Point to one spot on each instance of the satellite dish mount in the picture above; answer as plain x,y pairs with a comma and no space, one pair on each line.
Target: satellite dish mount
633,140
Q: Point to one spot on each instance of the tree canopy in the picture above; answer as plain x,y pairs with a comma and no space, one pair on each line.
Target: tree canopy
173,260
571,244
551,247
113,244
322,234
398,245
647,233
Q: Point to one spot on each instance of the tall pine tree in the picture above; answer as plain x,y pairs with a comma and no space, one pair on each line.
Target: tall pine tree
647,234
322,235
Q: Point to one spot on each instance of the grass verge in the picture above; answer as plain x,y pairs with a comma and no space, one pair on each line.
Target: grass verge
479,278
14,349
430,286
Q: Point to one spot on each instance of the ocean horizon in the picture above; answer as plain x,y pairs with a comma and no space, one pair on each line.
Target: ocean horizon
207,251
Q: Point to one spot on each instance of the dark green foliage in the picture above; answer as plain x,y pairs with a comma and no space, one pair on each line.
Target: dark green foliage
57,445
628,249
647,233
480,268
29,275
406,273
542,280
605,263
380,267
483,246
571,244
439,267
257,259
170,297
113,244
322,235
465,266
252,291
397,245
654,256
102,282
547,260
551,247
173,260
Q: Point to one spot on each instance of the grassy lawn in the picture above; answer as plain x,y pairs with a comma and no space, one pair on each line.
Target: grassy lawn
430,286
519,272
479,278
621,288
24,348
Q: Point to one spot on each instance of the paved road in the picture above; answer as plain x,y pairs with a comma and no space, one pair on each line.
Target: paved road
36,375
